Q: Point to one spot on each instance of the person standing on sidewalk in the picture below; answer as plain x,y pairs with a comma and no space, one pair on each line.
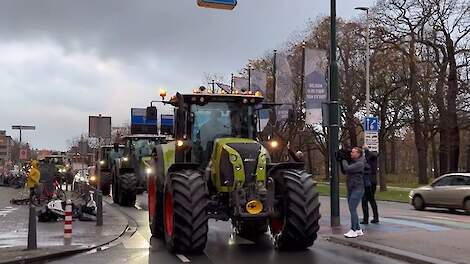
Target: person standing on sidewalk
354,171
33,178
370,182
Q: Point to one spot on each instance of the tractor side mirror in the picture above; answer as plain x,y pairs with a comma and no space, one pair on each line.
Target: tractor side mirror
151,113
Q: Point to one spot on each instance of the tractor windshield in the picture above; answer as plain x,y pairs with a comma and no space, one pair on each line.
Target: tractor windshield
144,146
220,119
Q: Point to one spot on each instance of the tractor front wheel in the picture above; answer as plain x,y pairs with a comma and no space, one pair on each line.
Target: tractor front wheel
297,225
185,212
127,189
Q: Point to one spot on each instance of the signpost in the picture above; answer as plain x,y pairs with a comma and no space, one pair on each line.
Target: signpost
218,4
371,133
99,127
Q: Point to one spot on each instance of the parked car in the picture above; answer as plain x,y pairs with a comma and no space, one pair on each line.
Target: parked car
450,191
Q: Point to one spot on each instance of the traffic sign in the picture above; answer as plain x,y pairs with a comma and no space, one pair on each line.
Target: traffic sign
23,154
218,4
371,140
371,124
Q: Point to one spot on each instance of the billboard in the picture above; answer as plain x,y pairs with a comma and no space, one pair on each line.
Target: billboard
284,87
166,124
99,126
316,86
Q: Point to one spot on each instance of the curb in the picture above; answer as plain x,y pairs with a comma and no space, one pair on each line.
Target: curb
387,251
64,253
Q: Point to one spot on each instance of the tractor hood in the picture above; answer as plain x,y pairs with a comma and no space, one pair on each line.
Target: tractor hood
238,161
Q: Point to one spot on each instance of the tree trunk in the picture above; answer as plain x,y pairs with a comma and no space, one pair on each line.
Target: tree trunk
382,151
434,157
454,136
393,155
418,128
468,158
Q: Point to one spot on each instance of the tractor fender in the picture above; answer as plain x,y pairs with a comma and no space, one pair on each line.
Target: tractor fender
273,168
183,166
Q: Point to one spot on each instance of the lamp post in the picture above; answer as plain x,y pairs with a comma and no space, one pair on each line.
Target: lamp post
366,9
333,121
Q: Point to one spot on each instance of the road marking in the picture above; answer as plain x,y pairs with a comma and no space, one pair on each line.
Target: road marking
183,258
138,207
136,241
415,224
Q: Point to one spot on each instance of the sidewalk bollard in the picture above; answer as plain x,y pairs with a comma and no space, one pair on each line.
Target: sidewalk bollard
68,220
99,208
32,236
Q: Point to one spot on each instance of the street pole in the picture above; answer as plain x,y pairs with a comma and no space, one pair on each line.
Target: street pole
231,84
333,129
99,198
302,78
249,78
274,76
366,9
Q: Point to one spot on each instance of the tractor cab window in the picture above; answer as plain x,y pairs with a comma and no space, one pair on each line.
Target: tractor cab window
216,120
144,146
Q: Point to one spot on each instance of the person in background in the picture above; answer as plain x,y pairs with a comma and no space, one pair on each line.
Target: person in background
354,171
370,181
33,177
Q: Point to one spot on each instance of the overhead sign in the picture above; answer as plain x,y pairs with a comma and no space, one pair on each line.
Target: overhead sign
218,4
371,140
141,123
166,124
371,124
23,127
99,126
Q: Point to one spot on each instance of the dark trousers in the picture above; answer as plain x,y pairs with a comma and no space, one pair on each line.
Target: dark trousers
369,197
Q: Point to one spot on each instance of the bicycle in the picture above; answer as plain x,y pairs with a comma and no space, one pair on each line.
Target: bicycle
46,195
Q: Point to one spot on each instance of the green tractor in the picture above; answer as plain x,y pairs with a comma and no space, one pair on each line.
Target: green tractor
63,170
106,161
130,172
216,168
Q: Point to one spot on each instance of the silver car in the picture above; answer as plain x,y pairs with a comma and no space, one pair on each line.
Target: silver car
450,191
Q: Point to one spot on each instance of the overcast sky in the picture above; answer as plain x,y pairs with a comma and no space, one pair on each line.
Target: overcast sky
61,61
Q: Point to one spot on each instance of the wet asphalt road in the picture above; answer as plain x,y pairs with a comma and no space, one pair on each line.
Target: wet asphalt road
137,246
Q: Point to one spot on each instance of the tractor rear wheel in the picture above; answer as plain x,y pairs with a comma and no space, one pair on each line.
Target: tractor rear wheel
155,203
297,226
127,189
251,228
185,212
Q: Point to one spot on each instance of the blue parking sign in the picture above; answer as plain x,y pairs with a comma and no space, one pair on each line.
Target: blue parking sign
371,124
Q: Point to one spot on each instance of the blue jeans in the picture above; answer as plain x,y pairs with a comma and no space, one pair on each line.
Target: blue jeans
354,198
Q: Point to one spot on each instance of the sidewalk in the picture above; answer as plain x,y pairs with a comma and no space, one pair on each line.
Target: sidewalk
433,236
85,235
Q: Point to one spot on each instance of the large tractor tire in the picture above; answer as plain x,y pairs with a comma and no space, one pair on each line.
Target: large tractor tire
251,228
297,226
106,189
185,212
127,189
155,204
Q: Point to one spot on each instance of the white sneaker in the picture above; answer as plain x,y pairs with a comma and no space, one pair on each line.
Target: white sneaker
360,232
351,234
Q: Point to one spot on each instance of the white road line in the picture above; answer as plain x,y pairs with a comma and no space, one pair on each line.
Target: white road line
138,207
183,258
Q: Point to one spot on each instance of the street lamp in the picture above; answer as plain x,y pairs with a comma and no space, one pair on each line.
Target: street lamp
366,9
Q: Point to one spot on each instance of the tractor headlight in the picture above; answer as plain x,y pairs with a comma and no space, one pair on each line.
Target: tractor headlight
93,178
125,159
233,157
102,162
148,170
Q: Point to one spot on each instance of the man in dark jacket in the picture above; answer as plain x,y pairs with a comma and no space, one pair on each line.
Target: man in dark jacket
370,182
354,171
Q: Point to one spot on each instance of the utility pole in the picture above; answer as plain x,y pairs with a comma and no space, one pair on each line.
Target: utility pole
366,9
333,120
302,78
249,77
274,76
231,84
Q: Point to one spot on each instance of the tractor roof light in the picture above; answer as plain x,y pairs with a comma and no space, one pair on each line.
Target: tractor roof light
258,94
162,94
